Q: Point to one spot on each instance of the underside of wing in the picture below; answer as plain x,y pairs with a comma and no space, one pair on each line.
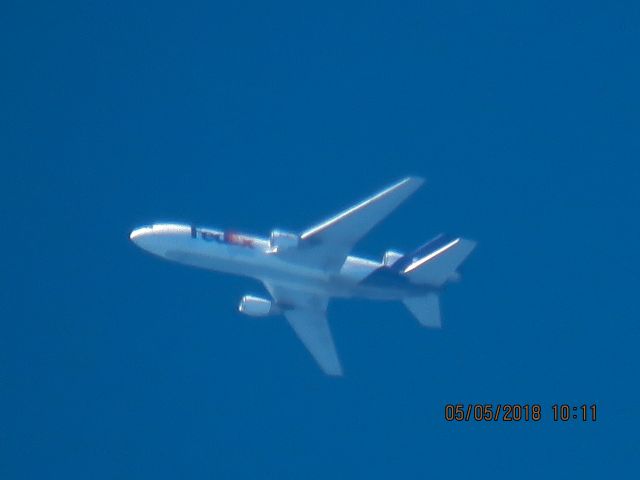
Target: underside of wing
306,313
313,330
328,244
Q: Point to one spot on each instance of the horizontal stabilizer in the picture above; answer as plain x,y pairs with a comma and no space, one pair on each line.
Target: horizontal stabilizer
440,265
425,309
432,245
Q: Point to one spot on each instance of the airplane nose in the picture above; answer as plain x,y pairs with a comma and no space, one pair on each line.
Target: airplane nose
159,237
139,233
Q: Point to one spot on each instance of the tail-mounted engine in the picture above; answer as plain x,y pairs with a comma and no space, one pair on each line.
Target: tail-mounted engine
257,307
279,241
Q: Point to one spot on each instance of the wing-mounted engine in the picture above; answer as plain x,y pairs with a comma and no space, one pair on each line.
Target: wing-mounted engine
391,257
280,241
258,307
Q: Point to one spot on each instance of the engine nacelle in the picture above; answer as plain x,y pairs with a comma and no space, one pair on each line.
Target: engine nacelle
257,307
279,241
391,257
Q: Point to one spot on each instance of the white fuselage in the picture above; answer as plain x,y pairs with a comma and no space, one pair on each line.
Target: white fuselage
253,257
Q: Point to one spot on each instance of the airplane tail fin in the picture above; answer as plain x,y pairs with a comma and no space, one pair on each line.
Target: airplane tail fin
426,309
432,264
435,262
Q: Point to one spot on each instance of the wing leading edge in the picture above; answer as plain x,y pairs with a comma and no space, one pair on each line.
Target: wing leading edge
327,244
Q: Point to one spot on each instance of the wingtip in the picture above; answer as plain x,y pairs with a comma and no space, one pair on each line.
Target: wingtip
333,370
471,244
416,180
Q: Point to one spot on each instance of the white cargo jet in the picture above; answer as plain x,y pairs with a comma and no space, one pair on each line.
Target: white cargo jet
303,271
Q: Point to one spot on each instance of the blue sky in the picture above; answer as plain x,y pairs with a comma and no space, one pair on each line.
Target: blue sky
523,118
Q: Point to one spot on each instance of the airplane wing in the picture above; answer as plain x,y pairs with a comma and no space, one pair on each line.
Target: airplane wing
328,244
306,313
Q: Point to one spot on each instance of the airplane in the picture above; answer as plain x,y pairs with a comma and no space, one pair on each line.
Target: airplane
302,272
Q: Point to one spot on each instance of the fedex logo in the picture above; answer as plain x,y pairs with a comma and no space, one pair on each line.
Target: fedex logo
227,237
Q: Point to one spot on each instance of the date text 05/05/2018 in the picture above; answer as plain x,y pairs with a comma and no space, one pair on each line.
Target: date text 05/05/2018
516,412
